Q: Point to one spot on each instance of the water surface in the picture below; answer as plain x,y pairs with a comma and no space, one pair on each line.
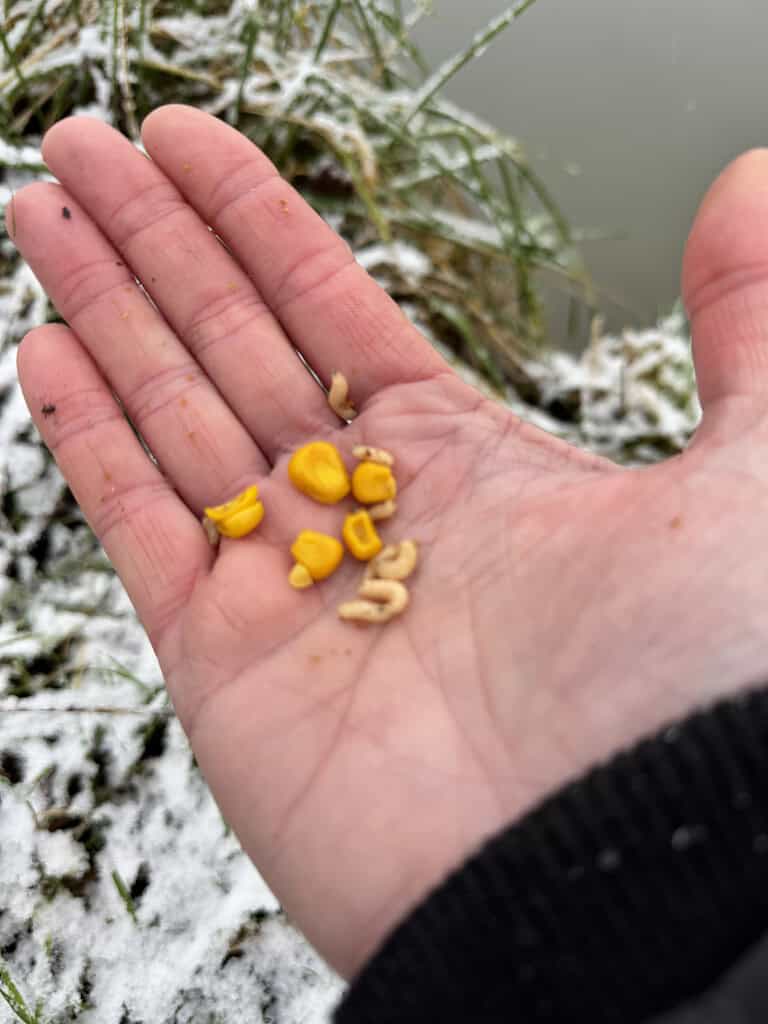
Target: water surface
628,110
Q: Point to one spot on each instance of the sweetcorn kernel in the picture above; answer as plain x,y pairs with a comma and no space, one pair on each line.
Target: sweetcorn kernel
319,553
239,516
360,535
373,483
299,577
316,470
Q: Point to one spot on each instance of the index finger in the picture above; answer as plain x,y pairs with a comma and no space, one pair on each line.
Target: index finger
334,312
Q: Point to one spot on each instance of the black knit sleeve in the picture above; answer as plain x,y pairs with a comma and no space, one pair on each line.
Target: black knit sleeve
626,893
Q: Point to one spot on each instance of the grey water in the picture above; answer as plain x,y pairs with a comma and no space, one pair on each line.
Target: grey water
628,109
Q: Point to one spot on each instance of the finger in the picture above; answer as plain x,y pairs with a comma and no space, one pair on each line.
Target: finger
201,290
333,311
199,443
725,289
151,537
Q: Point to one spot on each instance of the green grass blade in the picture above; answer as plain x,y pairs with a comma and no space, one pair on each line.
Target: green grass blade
142,25
282,32
366,195
125,894
115,20
526,296
31,24
327,28
446,72
549,204
14,998
12,58
400,41
251,35
477,351
373,41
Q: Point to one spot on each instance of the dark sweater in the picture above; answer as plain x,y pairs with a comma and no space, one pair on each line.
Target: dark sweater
637,893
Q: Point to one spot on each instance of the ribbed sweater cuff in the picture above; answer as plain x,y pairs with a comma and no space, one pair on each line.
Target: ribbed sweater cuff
618,897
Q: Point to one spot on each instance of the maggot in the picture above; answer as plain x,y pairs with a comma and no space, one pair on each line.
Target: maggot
338,397
383,510
379,601
394,562
211,532
365,453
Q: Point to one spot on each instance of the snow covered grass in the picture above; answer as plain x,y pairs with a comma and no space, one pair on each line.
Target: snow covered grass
336,93
123,896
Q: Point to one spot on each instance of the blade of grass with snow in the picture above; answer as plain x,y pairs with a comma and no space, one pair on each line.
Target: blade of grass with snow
445,73
15,1000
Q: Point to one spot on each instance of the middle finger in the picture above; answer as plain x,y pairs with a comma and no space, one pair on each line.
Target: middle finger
199,287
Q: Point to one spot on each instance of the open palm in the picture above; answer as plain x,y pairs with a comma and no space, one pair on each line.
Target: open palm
563,606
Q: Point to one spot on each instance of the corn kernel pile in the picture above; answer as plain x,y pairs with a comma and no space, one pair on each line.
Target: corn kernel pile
317,470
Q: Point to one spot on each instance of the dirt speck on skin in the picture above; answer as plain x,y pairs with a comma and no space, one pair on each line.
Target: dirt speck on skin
66,213
107,475
189,377
191,436
123,316
232,287
675,523
119,263
315,659
48,410
183,402
186,168
284,205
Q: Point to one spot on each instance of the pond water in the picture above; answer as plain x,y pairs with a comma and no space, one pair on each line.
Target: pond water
628,110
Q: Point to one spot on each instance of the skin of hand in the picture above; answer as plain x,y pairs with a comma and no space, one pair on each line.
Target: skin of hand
563,607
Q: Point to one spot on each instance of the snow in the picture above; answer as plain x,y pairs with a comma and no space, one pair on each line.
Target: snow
58,854
19,156
170,958
410,261
637,394
463,229
202,889
455,163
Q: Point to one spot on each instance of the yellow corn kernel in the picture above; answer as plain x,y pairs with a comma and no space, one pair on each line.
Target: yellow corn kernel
239,516
299,577
316,469
373,483
318,553
360,535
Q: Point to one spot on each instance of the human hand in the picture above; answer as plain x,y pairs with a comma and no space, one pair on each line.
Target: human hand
563,606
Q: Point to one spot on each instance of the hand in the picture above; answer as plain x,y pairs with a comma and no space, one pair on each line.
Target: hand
564,606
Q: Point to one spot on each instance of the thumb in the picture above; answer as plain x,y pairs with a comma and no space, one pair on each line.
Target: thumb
725,290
